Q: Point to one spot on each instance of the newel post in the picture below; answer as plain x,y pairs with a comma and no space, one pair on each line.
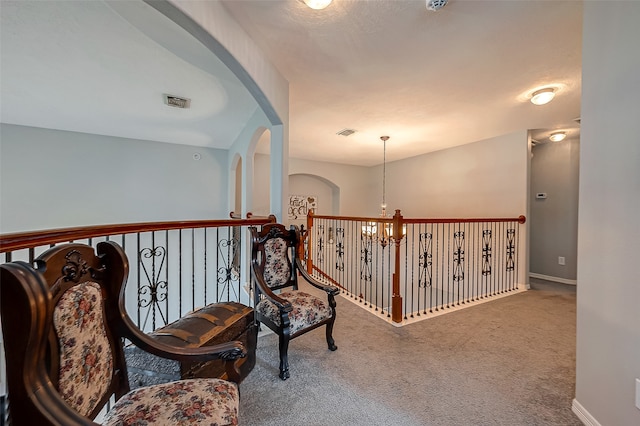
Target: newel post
396,300
309,244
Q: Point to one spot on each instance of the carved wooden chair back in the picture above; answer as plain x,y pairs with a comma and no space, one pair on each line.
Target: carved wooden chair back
63,322
279,303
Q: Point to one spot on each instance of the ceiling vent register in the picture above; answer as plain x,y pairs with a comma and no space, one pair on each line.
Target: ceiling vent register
346,132
434,5
177,102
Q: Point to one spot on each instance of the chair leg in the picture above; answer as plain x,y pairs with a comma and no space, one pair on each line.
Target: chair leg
330,341
284,358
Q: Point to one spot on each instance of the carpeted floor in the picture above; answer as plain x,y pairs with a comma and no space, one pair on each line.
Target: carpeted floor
506,362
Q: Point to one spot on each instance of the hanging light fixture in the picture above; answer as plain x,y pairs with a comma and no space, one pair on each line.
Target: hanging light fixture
317,4
557,136
381,231
543,96
384,175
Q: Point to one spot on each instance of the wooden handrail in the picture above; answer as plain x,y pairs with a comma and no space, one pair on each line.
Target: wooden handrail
31,239
389,219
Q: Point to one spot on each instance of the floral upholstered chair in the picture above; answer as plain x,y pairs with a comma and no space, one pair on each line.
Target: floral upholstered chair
63,322
289,312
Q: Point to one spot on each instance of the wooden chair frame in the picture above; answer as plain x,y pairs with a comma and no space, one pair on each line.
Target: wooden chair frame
262,290
27,298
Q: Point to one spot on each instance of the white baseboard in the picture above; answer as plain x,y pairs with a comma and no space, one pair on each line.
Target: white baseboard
583,414
554,279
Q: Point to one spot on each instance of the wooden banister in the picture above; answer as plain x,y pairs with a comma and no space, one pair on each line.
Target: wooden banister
26,240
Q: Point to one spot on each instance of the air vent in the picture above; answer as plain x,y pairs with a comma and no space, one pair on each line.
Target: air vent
346,132
434,5
177,102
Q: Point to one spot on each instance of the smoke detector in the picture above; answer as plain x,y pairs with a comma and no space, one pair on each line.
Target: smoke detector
435,5
177,101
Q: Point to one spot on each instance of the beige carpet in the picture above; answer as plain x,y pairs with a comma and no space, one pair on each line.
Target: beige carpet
506,362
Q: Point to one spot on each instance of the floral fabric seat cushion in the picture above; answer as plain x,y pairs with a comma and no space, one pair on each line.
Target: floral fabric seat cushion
184,402
307,310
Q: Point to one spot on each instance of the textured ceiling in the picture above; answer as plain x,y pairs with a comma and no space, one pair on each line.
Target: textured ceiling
430,80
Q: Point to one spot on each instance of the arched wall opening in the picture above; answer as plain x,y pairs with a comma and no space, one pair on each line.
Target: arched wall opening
261,199
236,185
311,191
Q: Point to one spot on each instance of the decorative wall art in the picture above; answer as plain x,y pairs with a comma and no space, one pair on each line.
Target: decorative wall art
299,205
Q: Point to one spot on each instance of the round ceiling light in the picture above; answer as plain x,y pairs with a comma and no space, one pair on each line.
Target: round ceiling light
557,136
317,4
543,96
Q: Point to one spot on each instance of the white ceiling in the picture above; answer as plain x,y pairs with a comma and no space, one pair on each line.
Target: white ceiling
430,80
103,67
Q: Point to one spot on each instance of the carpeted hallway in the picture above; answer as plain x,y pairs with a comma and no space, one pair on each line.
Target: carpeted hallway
506,362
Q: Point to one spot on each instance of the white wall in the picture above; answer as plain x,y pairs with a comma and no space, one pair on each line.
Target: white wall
481,179
353,183
608,310
52,179
554,220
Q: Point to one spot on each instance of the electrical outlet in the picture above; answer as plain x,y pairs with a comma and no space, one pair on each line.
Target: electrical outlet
560,260
638,394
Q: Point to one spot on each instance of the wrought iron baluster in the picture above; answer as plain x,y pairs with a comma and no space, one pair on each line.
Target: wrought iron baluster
511,249
150,295
227,274
339,249
426,260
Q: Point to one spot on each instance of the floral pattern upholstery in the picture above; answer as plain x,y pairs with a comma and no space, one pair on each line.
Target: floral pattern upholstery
277,268
307,310
86,362
185,402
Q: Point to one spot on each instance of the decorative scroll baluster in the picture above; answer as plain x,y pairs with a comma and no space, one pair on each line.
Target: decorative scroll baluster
511,249
426,261
227,274
150,295
365,262
340,249
320,251
486,252
458,256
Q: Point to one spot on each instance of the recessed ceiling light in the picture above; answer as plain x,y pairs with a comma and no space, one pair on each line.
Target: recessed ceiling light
557,136
543,96
317,4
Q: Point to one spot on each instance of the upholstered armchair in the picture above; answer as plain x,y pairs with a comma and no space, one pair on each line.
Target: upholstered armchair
279,304
63,321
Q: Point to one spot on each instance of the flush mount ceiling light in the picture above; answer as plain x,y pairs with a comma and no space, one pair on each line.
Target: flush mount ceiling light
543,96
557,136
317,4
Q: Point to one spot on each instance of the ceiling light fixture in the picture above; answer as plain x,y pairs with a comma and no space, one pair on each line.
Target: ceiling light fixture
543,96
317,4
382,231
384,175
557,136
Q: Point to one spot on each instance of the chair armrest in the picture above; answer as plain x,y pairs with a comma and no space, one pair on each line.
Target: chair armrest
226,351
282,304
330,289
